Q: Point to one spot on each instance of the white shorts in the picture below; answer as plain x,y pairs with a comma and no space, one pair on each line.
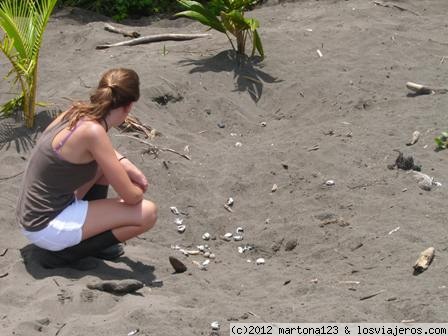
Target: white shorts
63,231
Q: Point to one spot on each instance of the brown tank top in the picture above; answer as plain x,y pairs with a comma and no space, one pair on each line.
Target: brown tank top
49,182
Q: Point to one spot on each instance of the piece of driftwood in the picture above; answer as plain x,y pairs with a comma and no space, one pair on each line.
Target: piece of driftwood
153,38
424,260
117,287
392,5
123,32
420,89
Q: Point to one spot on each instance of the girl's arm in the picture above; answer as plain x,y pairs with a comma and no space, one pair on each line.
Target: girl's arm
100,147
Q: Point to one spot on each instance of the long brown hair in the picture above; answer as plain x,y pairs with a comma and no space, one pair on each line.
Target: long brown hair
117,88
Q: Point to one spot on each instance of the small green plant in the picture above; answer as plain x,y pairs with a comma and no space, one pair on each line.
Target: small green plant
227,16
442,141
23,23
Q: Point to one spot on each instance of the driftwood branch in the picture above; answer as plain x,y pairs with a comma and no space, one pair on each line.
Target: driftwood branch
123,32
153,38
153,149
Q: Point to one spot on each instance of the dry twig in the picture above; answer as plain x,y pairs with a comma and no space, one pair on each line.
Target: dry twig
153,149
133,124
10,177
372,295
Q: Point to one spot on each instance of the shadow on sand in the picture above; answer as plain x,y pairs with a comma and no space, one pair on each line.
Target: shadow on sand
32,255
14,133
248,77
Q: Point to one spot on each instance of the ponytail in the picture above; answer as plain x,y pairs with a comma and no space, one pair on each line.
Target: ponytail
117,88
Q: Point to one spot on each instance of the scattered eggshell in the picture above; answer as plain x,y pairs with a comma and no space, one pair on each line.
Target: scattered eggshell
201,248
238,144
179,221
181,228
238,238
206,236
174,210
230,201
274,188
239,230
240,249
133,332
263,124
200,265
329,183
228,235
215,325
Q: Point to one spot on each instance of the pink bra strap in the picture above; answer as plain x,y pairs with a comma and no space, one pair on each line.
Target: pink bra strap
63,141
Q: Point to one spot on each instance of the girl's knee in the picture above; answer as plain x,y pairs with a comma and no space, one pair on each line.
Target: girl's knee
149,214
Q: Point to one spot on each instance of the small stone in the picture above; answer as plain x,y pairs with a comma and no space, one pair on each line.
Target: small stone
179,266
206,236
263,124
221,125
238,144
291,244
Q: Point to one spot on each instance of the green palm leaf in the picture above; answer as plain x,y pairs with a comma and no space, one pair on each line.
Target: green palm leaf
257,45
23,23
198,12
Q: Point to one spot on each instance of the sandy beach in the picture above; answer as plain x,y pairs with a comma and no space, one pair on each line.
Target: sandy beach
268,134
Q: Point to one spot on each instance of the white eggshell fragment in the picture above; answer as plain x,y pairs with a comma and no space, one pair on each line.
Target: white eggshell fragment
174,210
260,261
